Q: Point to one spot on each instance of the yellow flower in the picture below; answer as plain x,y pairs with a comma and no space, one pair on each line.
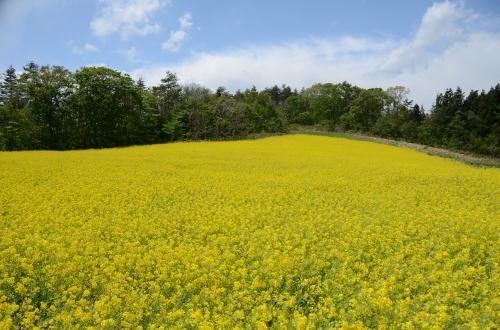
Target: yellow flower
284,232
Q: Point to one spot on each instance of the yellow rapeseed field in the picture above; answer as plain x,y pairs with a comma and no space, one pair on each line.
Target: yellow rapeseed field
284,232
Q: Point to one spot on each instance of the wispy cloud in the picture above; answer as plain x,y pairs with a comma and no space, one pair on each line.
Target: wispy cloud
86,48
176,39
127,18
130,54
442,53
186,21
442,24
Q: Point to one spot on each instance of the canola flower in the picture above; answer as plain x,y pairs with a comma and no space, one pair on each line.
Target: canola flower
289,232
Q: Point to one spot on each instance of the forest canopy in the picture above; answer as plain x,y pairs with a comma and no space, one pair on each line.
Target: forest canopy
50,107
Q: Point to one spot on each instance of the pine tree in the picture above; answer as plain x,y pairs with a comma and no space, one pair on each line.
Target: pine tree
9,89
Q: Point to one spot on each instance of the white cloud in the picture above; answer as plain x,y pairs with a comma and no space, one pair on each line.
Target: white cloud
174,43
441,20
126,17
442,24
86,48
176,39
447,50
301,63
186,21
461,64
130,54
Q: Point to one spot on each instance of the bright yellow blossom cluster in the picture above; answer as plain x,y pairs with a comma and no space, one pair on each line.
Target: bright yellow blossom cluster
285,232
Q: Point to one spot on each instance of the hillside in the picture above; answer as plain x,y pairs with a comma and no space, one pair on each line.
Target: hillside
293,230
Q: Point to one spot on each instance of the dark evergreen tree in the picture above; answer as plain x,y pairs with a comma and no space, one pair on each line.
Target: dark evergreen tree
10,90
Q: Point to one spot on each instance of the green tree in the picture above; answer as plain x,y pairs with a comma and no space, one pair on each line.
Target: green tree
18,130
168,93
365,110
297,110
109,108
195,102
50,91
10,93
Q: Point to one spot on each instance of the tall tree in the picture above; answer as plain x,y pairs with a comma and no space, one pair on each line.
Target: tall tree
50,91
109,108
9,89
365,109
168,94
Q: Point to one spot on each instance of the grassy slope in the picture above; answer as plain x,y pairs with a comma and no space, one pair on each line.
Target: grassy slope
468,158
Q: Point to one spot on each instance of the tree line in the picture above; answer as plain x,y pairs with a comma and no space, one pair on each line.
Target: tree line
50,107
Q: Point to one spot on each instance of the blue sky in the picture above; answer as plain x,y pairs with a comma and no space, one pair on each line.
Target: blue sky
424,45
